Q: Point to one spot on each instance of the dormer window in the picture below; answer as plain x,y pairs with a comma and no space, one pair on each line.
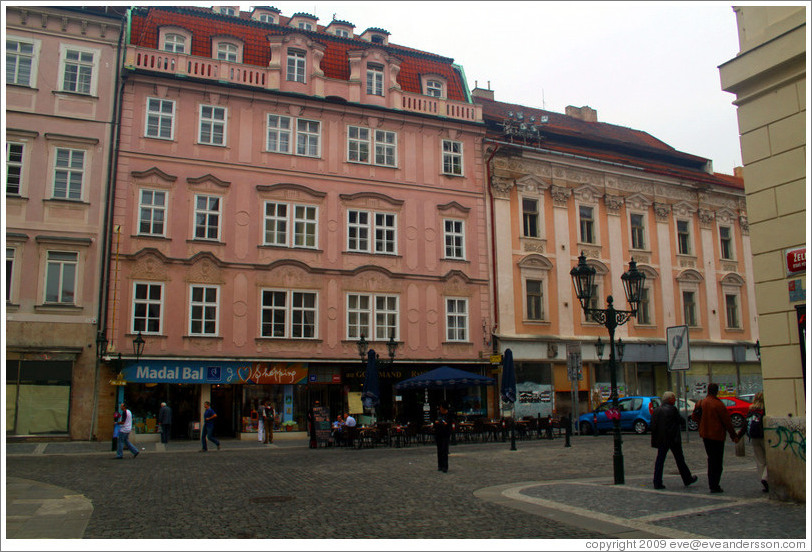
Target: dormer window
226,10
375,79
303,21
305,26
342,33
265,15
174,39
227,51
376,36
296,66
175,43
434,88
337,27
377,39
267,18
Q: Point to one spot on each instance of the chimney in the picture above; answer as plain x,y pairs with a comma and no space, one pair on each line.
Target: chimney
478,92
738,172
584,113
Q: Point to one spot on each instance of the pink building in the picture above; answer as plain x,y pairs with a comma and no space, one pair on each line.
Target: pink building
284,188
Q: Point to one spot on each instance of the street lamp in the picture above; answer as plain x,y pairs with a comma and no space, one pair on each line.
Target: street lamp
583,277
362,348
101,345
138,346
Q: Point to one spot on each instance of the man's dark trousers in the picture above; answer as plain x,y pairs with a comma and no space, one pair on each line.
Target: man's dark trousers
442,451
679,457
716,454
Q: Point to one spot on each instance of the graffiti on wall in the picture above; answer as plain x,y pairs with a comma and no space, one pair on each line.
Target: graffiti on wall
790,436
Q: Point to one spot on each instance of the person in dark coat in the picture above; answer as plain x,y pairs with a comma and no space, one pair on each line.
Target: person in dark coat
165,421
714,421
442,435
665,436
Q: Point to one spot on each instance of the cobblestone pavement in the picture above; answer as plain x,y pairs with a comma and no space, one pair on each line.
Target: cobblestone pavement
542,490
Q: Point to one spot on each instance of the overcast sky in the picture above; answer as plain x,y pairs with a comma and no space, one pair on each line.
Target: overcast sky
651,66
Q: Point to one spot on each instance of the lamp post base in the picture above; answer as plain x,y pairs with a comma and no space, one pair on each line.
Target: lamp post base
617,460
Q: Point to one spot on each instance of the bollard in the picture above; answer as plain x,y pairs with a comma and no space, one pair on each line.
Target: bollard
595,425
568,431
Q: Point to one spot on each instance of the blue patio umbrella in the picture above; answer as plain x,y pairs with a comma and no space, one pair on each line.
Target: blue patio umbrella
371,396
444,377
508,377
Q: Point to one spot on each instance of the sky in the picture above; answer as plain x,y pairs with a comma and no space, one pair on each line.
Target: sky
651,66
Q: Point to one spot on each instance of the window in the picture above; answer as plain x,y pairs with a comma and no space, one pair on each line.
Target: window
365,310
277,222
77,75
147,307
644,307
60,277
689,308
203,310
342,33
725,243
530,217
160,118
454,238
359,146
535,299
175,43
683,238
296,66
266,18
363,224
375,79
594,300
9,271
305,26
732,310
227,11
227,51
278,134
587,223
152,212
207,217
69,173
434,88
308,135
456,316
212,125
19,62
452,157
289,314
14,167
638,231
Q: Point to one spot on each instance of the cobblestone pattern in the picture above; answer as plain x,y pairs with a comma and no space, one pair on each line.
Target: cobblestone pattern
384,492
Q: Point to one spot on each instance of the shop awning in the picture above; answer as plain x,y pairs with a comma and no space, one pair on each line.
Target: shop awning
444,377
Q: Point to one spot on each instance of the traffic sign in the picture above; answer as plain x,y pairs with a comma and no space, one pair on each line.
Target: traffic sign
574,362
677,348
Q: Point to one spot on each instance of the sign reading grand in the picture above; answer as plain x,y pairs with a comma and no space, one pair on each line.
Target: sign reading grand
164,371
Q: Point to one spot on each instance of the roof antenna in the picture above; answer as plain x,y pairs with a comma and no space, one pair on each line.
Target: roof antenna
543,105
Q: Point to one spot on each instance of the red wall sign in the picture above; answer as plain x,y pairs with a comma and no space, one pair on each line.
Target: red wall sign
796,260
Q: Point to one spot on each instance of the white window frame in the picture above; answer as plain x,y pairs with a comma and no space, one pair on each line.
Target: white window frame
305,26
147,212
228,51
737,323
296,63
380,237
308,138
688,238
362,141
88,89
15,164
228,10
375,73
212,122
174,42
359,144
298,222
158,119
70,192
142,323
11,273
203,305
695,323
645,307
62,264
452,157
435,88
386,148
587,224
534,232
344,33
278,134
640,231
454,239
542,299
208,212
31,57
731,253
289,311
266,18
375,316
457,320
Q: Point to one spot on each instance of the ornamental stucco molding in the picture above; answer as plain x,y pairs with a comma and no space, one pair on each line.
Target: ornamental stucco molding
587,194
706,218
501,187
533,245
725,216
662,211
613,204
638,202
744,225
560,195
635,186
684,209
531,184
577,177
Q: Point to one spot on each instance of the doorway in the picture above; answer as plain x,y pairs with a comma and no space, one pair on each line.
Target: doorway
224,402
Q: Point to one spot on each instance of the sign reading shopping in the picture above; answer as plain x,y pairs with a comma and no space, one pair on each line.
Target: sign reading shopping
162,371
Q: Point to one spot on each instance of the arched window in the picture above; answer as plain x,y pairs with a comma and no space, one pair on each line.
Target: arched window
174,42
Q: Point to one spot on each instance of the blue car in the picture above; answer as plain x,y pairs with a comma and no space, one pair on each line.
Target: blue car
635,415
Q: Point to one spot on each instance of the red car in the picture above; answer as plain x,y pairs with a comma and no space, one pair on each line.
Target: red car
737,408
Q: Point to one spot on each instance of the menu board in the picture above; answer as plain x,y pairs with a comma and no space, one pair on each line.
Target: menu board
321,418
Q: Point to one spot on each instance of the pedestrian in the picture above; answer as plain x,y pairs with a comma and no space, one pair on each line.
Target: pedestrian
665,436
311,424
116,428
754,428
165,421
125,427
208,427
442,436
261,423
268,421
714,420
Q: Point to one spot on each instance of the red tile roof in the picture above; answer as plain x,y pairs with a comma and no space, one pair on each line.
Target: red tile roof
204,24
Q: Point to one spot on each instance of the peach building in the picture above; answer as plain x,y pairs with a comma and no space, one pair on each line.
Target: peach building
283,189
563,184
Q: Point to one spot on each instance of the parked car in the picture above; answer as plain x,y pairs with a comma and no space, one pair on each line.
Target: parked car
635,415
686,418
747,397
737,408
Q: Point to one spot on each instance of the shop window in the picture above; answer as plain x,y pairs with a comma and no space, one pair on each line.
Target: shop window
37,397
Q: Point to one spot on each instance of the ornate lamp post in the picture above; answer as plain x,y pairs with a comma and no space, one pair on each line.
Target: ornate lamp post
583,277
138,346
362,349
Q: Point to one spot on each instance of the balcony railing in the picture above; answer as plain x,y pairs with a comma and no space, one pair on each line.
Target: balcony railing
183,65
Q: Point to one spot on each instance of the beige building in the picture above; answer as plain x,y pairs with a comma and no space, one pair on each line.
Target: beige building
768,77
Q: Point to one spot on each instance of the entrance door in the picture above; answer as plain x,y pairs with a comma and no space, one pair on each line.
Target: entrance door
223,401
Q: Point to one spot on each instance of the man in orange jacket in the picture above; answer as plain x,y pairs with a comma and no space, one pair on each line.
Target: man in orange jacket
714,421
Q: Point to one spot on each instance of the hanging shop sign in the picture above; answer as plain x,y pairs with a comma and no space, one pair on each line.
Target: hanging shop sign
226,372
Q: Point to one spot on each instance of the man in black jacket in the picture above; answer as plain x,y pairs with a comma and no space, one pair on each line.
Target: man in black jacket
665,436
442,435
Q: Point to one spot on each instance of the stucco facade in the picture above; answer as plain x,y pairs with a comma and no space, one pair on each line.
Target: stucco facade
59,94
768,77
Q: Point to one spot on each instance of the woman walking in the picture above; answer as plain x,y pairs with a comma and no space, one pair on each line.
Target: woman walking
754,428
